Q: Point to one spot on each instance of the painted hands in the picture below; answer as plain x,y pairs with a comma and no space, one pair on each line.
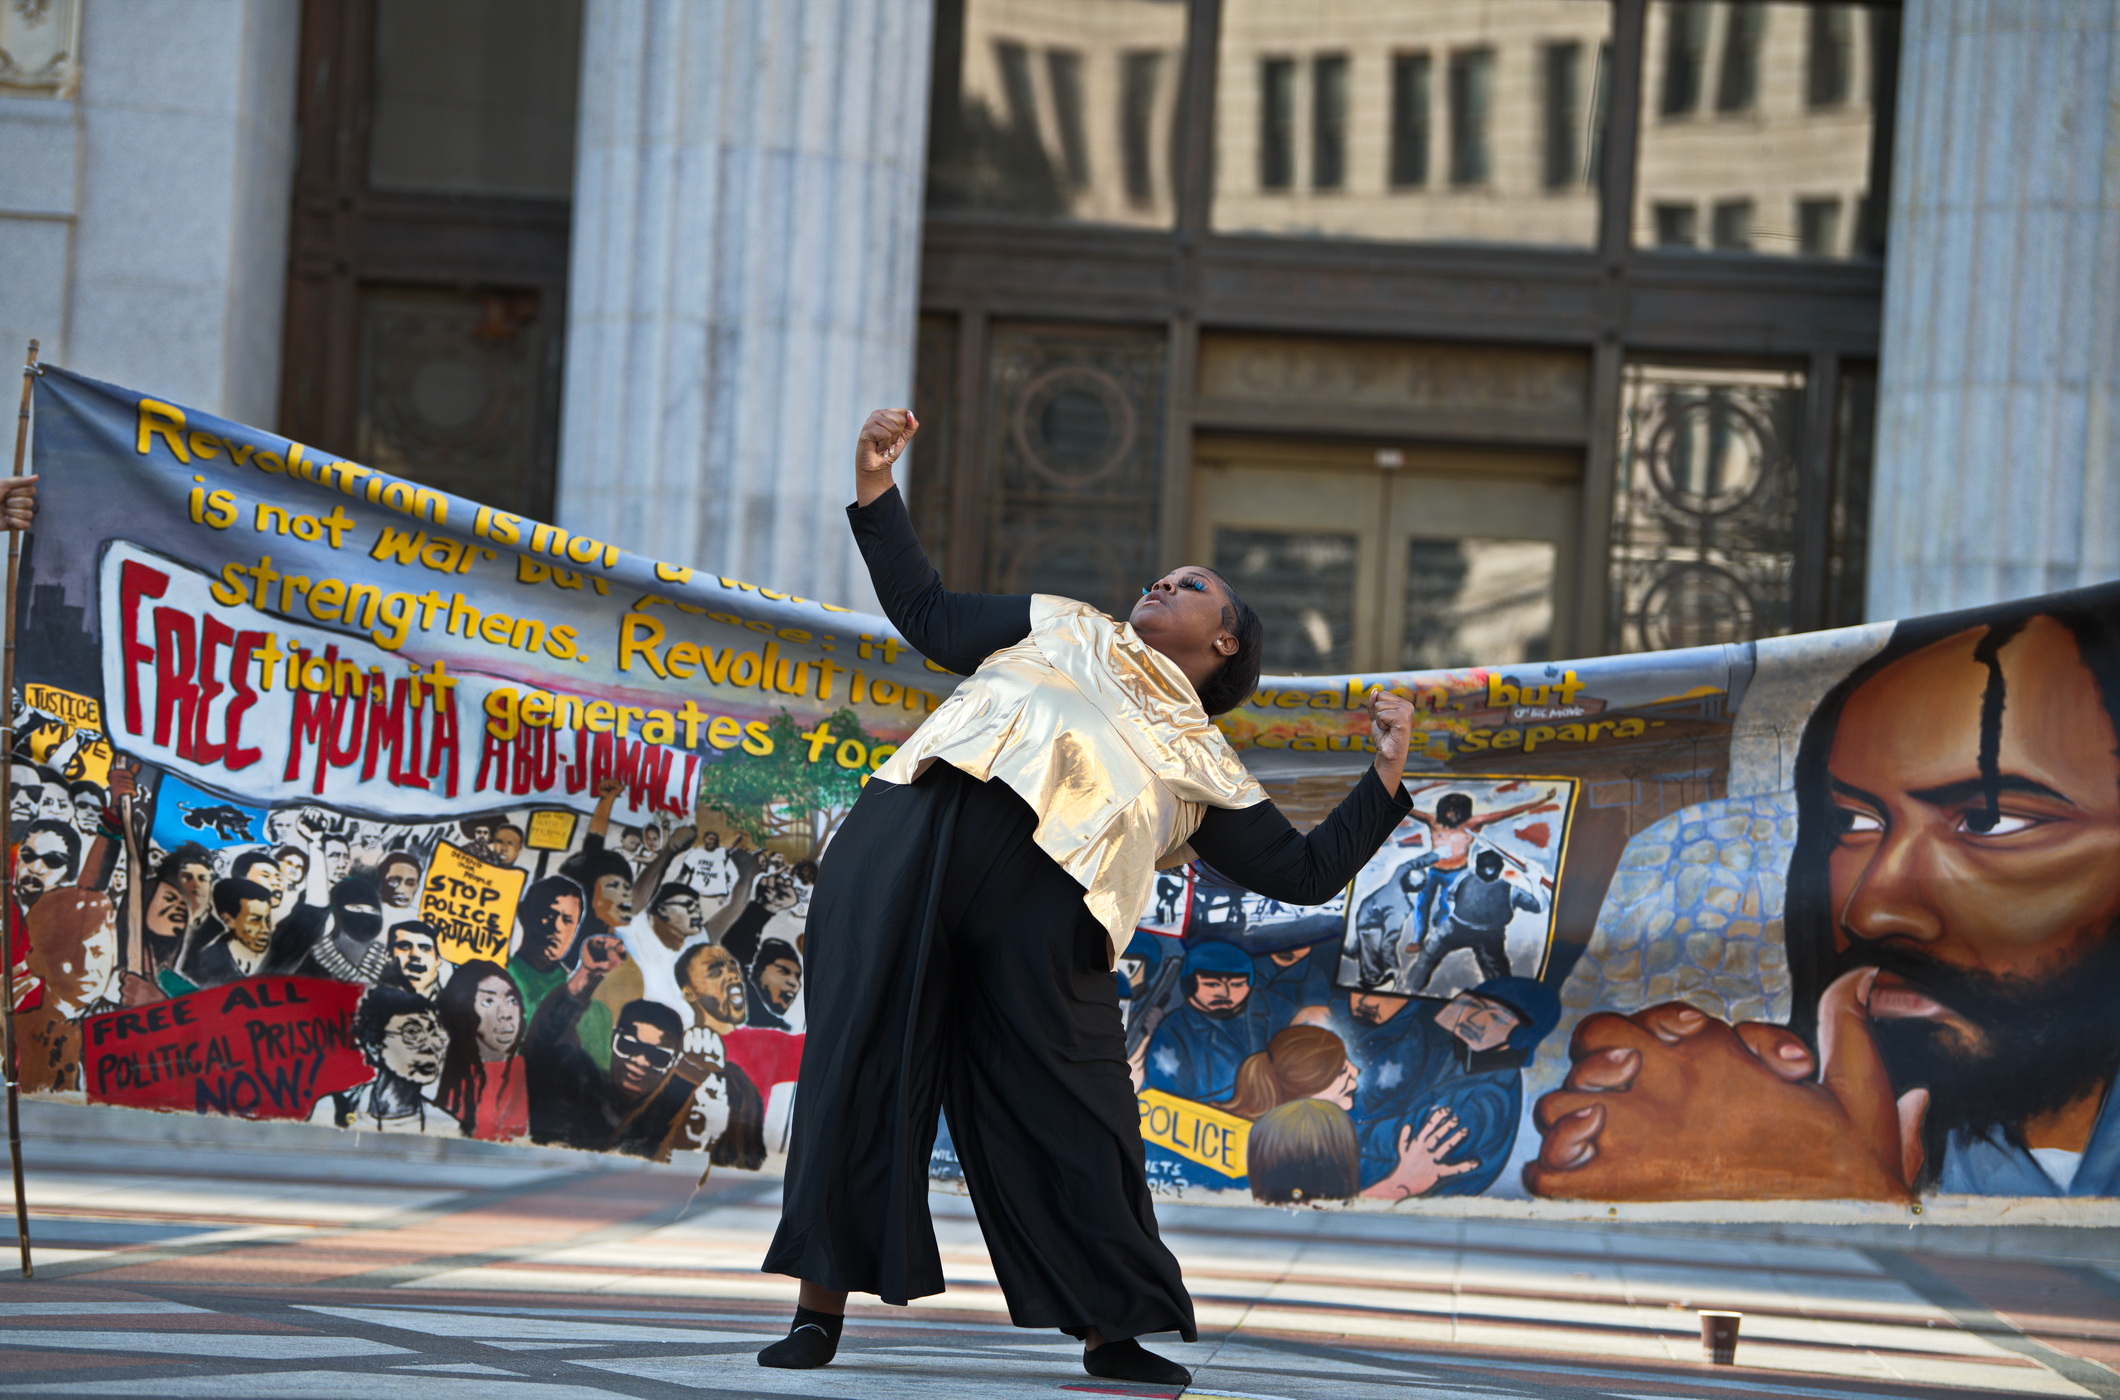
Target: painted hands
1421,1154
1671,1104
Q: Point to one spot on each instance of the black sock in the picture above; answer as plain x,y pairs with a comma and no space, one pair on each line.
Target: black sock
812,1340
1128,1360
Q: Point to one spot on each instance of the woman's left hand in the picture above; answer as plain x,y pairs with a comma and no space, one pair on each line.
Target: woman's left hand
1391,725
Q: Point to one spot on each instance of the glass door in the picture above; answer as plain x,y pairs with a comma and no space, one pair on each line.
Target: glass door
1360,557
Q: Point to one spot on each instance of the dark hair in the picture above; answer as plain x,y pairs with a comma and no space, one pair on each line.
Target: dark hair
66,833
538,902
251,860
806,871
230,895
1488,863
189,853
2090,615
1453,808
642,1012
82,785
1304,1150
692,955
586,868
50,777
280,854
773,950
415,926
398,858
463,1072
1238,677
669,893
380,1005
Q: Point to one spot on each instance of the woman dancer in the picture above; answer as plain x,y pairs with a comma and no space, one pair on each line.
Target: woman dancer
963,932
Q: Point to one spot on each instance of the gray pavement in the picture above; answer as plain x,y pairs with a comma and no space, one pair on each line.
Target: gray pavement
187,1257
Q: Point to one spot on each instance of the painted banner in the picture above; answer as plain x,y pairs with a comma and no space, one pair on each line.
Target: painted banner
346,799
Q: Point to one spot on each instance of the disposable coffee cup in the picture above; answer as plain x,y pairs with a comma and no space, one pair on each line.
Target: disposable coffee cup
1718,1337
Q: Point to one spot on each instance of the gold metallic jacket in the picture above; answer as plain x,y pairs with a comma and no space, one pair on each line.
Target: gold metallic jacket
1103,736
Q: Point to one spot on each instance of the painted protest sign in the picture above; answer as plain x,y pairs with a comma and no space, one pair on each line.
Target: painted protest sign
266,1047
428,755
470,904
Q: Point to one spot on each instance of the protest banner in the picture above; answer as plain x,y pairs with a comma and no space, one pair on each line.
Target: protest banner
351,705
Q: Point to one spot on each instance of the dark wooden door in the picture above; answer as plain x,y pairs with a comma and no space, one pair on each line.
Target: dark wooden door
426,294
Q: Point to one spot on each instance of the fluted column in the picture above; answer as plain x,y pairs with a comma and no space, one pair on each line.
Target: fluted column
746,263
1998,445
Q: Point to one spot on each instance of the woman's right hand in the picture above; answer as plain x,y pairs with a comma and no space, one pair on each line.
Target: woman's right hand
882,442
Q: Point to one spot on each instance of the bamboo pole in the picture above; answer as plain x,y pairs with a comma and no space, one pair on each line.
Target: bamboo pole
7,855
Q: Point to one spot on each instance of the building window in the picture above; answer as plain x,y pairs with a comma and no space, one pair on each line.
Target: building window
1563,74
1677,226
1328,121
1063,69
1409,120
1737,80
1772,141
1035,114
1731,229
1818,227
1831,60
1014,61
1471,101
1685,54
1704,520
1138,75
1277,123
1074,448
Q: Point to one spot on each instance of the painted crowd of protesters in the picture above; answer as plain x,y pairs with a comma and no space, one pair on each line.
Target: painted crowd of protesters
649,999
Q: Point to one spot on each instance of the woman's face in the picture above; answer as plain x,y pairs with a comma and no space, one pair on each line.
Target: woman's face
1341,1090
500,1018
1182,611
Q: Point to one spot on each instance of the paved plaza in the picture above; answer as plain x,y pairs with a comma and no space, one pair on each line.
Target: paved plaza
178,1258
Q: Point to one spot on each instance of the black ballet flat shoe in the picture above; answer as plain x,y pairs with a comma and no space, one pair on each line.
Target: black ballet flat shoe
1128,1360
812,1341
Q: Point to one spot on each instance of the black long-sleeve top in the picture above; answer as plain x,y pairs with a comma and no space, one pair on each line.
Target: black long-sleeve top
1254,846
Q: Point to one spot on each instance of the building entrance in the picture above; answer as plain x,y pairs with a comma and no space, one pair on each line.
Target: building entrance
1368,557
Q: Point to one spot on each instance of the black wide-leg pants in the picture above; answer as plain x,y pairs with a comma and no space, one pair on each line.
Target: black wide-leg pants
951,962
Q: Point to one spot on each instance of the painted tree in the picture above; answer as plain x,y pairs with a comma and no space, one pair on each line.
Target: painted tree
800,791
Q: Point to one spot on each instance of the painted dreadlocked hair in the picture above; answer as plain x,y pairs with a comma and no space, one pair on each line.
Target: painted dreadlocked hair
2092,618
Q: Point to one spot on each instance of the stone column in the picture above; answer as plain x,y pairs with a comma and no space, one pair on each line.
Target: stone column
1998,438
746,263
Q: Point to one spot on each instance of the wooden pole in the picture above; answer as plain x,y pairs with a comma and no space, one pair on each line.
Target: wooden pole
7,848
